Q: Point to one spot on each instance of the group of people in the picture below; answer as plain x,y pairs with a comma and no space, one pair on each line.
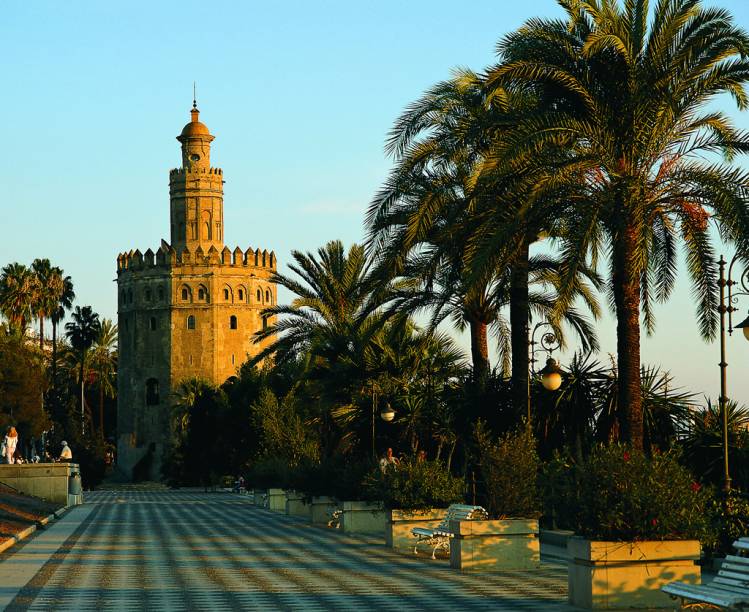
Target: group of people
389,460
9,447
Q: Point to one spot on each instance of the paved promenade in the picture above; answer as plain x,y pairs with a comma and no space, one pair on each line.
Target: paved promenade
195,551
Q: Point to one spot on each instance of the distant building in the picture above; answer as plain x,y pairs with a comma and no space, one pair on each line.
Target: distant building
188,309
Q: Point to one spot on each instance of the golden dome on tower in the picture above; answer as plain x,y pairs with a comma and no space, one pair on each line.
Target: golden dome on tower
195,127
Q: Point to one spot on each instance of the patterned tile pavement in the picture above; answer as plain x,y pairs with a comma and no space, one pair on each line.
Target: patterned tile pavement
195,551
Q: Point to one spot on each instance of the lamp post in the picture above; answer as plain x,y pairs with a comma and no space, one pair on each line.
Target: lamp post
387,414
551,374
727,308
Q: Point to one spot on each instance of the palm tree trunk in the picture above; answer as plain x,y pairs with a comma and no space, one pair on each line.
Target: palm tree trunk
519,330
54,353
41,332
626,280
479,349
83,363
101,409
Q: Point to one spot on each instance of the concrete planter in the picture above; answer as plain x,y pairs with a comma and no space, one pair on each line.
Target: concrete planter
495,545
401,522
363,517
276,500
321,510
295,505
606,575
54,482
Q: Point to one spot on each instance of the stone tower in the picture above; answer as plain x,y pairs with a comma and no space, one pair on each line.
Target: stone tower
189,309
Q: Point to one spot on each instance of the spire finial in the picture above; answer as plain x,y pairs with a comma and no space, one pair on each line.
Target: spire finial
194,96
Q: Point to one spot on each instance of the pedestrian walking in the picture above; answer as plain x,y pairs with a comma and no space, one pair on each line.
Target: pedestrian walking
66,454
9,444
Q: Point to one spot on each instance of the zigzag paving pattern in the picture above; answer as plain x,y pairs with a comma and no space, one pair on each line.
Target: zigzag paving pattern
195,551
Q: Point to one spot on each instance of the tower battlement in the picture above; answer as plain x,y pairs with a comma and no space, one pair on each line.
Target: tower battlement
167,257
195,170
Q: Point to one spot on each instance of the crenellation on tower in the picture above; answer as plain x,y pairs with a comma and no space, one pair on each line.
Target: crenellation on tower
188,308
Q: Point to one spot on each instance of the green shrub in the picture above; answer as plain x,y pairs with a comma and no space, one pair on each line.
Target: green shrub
337,477
509,470
623,495
414,485
268,473
731,520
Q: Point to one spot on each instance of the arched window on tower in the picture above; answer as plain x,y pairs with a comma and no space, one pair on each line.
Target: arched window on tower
259,295
152,392
152,323
233,322
226,295
185,294
191,322
240,293
267,297
148,295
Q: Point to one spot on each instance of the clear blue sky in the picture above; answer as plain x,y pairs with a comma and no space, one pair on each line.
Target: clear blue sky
300,96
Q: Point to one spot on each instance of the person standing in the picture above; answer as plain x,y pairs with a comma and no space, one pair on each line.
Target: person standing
10,442
66,454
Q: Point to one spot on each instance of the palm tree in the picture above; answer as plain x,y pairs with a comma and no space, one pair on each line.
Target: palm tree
104,364
428,218
64,304
332,301
625,98
49,287
17,295
82,332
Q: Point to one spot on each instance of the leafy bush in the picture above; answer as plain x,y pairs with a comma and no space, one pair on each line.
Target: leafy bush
623,495
731,519
415,485
337,477
509,468
269,472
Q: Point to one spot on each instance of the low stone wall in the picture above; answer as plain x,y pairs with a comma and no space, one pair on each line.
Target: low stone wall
48,481
495,545
276,500
295,505
321,510
363,517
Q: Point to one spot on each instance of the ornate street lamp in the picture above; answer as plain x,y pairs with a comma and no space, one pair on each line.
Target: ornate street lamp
727,308
387,414
551,374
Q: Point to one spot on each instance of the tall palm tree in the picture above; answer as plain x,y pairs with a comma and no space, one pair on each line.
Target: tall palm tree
104,364
625,93
64,304
49,287
427,219
82,331
17,294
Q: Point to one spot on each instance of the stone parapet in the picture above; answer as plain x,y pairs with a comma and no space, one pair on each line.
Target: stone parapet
48,481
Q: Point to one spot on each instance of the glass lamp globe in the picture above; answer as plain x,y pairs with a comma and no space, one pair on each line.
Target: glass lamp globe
387,414
744,326
551,375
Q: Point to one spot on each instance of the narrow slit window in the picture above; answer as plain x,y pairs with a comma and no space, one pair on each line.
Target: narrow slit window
191,322
233,322
226,295
185,294
152,323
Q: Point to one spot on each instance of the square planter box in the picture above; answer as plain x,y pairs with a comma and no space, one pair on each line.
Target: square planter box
276,500
295,505
363,517
258,497
495,545
605,575
400,523
321,510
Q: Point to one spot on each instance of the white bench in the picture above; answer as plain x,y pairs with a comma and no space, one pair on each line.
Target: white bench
439,536
729,589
